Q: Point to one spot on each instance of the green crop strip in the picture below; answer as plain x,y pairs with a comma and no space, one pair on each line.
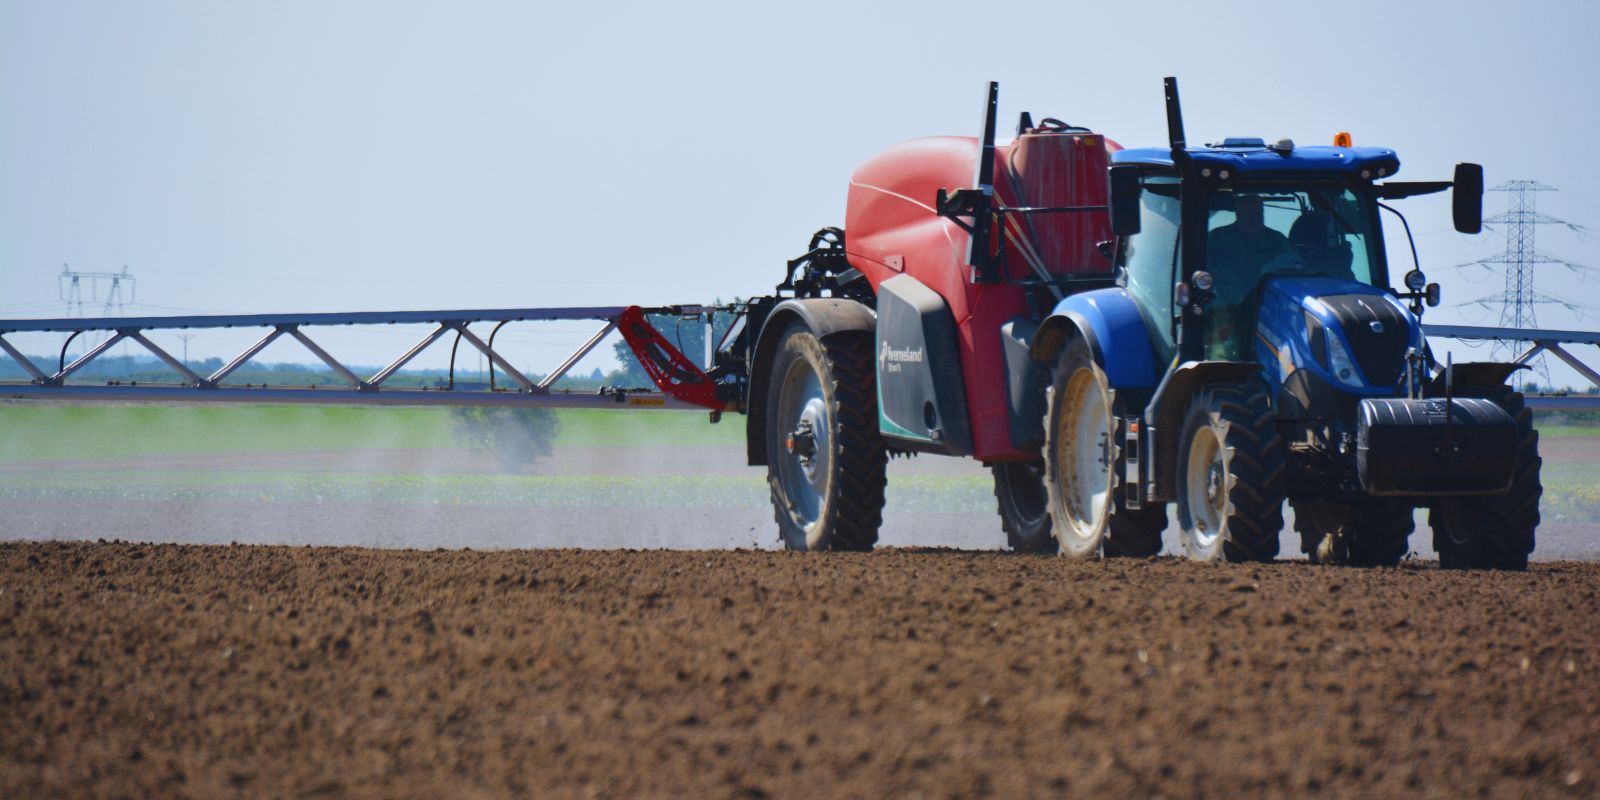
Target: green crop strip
51,433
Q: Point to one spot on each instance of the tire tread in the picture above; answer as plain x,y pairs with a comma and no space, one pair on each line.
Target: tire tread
1258,464
851,521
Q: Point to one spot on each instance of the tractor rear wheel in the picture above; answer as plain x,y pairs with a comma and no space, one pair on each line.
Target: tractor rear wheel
1369,532
826,463
1231,465
1494,532
1083,464
1080,452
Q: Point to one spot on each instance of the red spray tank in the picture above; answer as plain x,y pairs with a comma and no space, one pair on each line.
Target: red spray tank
894,230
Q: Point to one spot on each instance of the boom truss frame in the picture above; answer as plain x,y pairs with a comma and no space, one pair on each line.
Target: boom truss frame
1538,341
680,384
371,390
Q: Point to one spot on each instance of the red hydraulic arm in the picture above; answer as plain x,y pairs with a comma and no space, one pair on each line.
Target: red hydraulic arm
671,370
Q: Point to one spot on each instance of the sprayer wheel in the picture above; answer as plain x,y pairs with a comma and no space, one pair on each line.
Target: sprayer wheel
1024,506
827,464
1136,533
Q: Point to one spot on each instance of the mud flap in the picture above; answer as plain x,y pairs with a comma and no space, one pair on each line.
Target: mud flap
921,395
1026,381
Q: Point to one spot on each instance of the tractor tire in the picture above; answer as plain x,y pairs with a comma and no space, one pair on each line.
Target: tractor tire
1231,474
1083,466
826,463
1136,533
1369,532
1494,532
1024,506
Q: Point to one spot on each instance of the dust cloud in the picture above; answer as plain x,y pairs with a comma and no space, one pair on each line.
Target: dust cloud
406,478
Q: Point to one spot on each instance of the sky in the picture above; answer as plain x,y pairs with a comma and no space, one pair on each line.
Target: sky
328,156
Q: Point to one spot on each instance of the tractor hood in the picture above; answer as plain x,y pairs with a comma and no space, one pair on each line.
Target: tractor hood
1348,335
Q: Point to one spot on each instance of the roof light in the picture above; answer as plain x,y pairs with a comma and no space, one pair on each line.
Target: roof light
1342,139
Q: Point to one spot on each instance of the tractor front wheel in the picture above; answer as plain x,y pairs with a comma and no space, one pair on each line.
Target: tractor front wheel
1494,532
1231,466
826,463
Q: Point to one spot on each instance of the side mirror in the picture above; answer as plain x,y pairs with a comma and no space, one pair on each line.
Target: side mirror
1124,191
1466,199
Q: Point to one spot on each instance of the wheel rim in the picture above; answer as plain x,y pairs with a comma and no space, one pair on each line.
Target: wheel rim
1205,490
805,454
1085,440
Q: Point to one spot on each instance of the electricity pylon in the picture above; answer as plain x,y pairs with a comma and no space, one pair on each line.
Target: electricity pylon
1519,300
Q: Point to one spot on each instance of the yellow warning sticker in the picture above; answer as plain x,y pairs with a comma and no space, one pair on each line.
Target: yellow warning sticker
646,401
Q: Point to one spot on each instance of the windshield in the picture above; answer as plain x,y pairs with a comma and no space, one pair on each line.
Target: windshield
1255,231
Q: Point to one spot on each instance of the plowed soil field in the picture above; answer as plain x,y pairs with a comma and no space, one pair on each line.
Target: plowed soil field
172,670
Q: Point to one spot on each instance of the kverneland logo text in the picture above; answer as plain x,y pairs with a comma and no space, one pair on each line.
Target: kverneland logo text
889,359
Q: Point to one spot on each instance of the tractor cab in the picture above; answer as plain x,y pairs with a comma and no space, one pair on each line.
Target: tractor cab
1267,212
1261,231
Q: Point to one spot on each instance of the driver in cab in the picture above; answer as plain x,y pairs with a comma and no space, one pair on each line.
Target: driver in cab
1236,255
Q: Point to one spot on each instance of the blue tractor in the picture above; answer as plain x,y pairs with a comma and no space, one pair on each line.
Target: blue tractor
1252,351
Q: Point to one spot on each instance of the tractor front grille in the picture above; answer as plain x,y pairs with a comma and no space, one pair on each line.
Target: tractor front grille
1377,331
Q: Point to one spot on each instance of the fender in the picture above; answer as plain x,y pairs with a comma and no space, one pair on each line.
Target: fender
1163,417
1476,373
1109,320
823,316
